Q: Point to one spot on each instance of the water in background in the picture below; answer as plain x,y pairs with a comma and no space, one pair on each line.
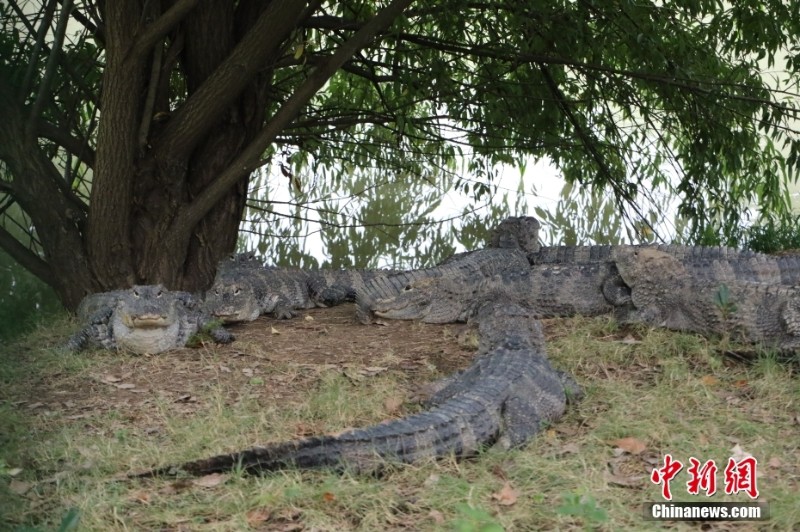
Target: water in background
410,222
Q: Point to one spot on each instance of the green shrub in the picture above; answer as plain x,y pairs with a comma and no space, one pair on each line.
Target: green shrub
24,299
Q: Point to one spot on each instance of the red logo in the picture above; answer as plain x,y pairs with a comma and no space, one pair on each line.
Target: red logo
664,475
739,476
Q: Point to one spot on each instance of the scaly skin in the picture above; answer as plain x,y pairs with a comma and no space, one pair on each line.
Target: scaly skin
717,264
466,272
516,232
143,319
665,293
243,294
553,290
509,394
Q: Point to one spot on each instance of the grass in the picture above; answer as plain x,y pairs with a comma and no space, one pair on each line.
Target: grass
672,393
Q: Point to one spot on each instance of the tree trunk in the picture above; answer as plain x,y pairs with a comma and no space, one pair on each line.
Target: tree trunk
160,210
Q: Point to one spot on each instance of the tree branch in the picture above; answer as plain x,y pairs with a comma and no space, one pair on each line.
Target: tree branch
37,47
50,68
202,110
76,146
589,144
161,27
96,30
247,160
26,258
150,99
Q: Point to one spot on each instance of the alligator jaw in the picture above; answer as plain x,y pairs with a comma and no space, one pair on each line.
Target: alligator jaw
397,309
228,316
147,321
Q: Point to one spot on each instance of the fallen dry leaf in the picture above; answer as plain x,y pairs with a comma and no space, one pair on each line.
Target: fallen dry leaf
437,516
110,379
737,453
328,496
392,404
273,330
630,445
14,471
257,516
506,496
19,487
709,380
125,386
775,462
210,481
141,497
630,340
308,318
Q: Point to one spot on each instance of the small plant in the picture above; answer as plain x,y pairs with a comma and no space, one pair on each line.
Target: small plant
582,506
203,336
472,519
774,234
722,299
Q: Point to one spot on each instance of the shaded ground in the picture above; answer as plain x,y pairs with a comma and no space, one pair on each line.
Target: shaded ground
271,362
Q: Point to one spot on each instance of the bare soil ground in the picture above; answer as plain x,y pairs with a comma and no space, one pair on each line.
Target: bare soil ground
271,362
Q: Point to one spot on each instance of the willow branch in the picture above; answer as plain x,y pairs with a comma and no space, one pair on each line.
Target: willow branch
162,26
50,68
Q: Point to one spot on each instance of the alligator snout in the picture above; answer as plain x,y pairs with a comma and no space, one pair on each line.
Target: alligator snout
150,320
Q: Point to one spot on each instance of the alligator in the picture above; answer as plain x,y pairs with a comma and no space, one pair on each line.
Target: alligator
666,293
561,280
555,291
239,261
446,292
142,319
516,232
244,293
713,264
466,272
506,396
244,289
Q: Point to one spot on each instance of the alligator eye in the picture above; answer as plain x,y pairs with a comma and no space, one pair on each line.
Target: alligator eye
216,291
408,288
135,293
160,292
236,291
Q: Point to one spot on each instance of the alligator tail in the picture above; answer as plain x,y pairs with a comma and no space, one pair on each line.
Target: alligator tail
461,427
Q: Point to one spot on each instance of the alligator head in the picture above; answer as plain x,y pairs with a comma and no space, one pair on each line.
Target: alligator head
431,300
147,319
231,301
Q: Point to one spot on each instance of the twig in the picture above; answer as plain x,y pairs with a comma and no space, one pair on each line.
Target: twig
50,68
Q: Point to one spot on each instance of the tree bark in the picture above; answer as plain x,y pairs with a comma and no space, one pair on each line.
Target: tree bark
109,230
35,185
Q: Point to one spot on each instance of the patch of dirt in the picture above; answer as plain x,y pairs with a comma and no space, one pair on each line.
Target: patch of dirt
270,360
